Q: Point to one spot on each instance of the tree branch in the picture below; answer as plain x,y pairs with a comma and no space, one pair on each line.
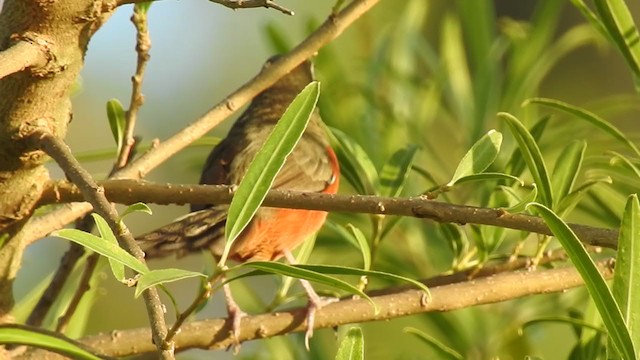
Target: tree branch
22,55
93,193
132,191
214,334
232,4
334,26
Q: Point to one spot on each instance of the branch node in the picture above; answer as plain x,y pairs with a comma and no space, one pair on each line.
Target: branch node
51,67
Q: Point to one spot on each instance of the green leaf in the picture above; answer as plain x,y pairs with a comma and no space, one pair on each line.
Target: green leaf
102,247
532,157
139,207
306,272
363,245
567,168
117,121
395,171
607,307
569,202
162,276
516,163
352,345
588,116
355,165
488,176
443,350
268,161
344,270
481,155
617,20
520,202
43,339
626,279
105,233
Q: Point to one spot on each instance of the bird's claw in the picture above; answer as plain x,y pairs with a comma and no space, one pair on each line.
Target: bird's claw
315,304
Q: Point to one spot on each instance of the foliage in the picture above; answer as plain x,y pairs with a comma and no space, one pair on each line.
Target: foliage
457,103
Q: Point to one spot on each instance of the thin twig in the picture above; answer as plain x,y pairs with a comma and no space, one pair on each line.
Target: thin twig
245,4
132,191
213,334
93,193
22,55
143,44
232,4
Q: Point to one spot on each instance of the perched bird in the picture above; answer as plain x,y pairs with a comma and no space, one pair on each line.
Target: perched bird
273,233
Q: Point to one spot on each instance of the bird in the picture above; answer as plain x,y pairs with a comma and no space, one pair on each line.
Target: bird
273,233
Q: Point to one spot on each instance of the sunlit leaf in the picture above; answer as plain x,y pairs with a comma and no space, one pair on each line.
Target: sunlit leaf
306,272
626,280
588,116
352,345
12,334
102,247
595,283
268,161
363,245
567,169
138,207
117,121
618,21
481,155
532,157
117,268
163,276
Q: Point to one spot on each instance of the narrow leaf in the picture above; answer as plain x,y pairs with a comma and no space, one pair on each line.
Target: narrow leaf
395,171
607,307
363,245
12,334
352,345
532,157
162,276
626,279
268,161
355,165
588,116
102,247
520,202
138,207
488,176
299,272
105,232
443,350
567,168
115,114
620,26
481,155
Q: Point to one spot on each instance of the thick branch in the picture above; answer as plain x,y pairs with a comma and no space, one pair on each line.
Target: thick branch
330,29
93,193
214,334
21,56
132,191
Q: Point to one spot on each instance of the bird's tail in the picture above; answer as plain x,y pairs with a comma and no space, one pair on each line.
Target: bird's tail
191,233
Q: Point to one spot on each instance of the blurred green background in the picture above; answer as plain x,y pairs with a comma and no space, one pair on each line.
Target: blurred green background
429,73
